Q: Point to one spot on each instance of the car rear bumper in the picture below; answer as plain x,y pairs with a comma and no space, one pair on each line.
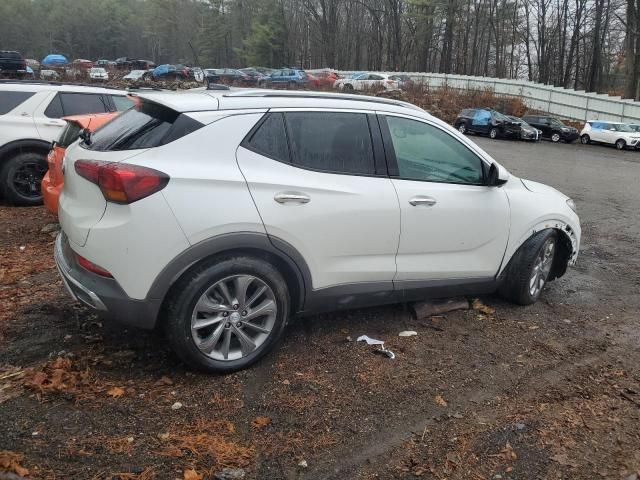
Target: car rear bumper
50,194
103,295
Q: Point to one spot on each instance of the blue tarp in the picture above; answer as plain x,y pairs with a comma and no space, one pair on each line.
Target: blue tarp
55,59
163,70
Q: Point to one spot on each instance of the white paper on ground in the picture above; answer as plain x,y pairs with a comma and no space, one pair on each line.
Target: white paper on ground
369,340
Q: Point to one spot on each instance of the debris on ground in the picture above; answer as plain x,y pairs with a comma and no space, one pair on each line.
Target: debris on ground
382,350
385,351
176,406
408,333
430,308
440,400
260,422
11,462
230,474
478,306
303,464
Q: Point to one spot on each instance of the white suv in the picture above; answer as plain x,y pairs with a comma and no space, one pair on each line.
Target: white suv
614,133
368,80
218,215
30,119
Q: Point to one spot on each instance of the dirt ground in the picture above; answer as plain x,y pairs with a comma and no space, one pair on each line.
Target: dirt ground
550,391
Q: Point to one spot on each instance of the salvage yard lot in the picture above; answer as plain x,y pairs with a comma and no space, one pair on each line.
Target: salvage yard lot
547,391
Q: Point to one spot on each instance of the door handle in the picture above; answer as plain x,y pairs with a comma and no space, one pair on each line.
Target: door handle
291,197
422,200
57,123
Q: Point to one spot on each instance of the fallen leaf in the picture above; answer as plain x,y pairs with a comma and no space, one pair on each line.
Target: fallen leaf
440,401
260,422
478,306
190,474
10,462
508,453
115,392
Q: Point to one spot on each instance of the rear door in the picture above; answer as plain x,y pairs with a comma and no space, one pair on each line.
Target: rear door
49,117
326,193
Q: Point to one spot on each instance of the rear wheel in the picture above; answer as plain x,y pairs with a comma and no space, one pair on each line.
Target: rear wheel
555,137
348,87
493,133
227,314
462,128
20,179
585,139
621,144
529,269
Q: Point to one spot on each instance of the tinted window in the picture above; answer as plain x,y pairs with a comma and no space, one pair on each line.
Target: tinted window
81,103
271,139
143,126
10,100
122,103
69,134
333,142
424,152
54,110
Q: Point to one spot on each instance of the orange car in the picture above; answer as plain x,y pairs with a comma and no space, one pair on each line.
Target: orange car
53,181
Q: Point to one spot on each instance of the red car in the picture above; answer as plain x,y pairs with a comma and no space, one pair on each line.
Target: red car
326,79
53,181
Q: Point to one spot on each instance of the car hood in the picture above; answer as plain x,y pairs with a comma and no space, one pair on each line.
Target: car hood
536,187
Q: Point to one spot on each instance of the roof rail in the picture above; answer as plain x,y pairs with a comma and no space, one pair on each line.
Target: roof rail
326,96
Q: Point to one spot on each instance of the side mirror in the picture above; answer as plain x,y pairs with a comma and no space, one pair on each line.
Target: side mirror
495,178
85,135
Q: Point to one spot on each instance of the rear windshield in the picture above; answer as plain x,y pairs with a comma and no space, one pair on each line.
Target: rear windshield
143,126
10,100
69,134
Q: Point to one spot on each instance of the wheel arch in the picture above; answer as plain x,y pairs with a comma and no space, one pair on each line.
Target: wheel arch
24,146
279,253
567,246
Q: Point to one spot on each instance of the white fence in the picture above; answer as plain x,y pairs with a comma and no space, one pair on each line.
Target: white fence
562,102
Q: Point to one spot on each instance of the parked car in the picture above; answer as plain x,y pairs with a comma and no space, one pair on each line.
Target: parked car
34,64
49,75
81,64
170,72
54,60
12,63
98,73
53,180
436,216
255,77
123,63
552,128
286,77
404,81
137,75
103,63
367,81
326,78
30,119
612,133
485,121
527,132
231,76
142,65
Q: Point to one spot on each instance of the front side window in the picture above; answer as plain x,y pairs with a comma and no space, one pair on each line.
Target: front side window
10,100
331,142
424,152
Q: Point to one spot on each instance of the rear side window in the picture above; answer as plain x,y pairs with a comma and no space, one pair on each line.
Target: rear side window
10,100
331,142
270,139
122,103
144,126
64,104
69,134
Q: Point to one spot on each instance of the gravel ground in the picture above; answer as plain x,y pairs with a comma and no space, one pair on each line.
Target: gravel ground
550,391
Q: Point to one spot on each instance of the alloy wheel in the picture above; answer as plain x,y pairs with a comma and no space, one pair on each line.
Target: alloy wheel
493,133
462,128
28,177
233,317
542,267
555,137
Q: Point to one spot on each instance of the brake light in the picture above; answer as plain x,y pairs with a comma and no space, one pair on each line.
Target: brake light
92,267
122,183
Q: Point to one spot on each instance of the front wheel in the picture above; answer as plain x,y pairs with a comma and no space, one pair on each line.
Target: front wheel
462,128
20,179
529,269
493,133
585,140
227,314
620,144
555,138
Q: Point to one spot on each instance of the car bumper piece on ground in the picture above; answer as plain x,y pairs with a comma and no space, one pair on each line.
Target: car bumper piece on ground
104,295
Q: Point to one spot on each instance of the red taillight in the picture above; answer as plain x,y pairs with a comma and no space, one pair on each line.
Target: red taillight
92,267
122,183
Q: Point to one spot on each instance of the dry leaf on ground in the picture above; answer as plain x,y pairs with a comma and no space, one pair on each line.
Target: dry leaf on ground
260,422
10,462
191,474
440,401
478,306
115,392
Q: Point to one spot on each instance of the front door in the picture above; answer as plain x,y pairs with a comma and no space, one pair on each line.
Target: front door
454,227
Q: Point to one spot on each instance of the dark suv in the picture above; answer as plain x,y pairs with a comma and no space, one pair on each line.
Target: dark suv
12,63
487,122
552,128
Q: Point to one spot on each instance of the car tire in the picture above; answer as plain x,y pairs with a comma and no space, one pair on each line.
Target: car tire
184,307
348,87
620,144
529,268
585,139
21,178
493,133
462,128
555,137
293,86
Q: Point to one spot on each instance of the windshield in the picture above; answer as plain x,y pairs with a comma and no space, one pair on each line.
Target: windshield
622,127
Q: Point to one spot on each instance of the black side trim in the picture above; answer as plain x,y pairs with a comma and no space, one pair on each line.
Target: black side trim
27,143
411,290
256,241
